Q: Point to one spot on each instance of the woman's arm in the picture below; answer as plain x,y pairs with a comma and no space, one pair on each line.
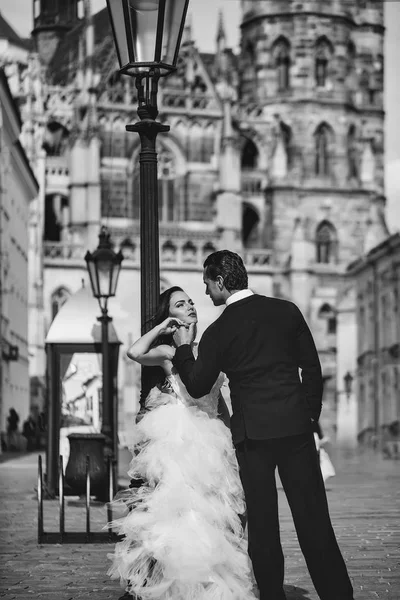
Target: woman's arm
142,352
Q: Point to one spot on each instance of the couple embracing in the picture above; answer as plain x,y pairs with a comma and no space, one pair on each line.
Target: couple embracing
183,535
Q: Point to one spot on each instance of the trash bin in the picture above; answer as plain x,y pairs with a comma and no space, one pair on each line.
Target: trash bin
81,445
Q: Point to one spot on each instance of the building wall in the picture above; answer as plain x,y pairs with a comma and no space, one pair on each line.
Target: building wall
282,198
18,187
377,279
347,411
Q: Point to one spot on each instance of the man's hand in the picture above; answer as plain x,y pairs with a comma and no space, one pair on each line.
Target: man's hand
185,335
170,325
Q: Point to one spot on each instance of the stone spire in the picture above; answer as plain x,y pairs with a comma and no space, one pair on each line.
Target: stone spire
221,35
228,197
187,36
377,230
52,20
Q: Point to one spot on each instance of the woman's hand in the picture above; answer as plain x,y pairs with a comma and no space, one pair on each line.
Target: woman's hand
170,325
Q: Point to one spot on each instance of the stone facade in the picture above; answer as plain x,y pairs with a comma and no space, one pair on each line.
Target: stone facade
18,188
276,152
377,289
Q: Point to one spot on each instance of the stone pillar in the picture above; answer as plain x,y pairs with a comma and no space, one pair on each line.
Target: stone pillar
229,200
301,257
93,192
347,408
36,316
78,184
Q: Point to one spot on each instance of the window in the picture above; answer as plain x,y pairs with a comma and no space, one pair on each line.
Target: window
55,139
249,72
115,199
326,243
281,53
327,313
351,57
166,186
352,154
115,87
323,53
118,139
322,136
196,136
249,157
286,136
250,226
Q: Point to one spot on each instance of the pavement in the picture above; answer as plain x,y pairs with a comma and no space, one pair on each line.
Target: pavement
364,500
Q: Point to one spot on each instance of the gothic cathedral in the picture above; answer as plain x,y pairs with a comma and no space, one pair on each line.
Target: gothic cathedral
275,152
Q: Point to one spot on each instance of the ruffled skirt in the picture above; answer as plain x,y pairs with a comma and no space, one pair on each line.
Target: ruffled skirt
183,539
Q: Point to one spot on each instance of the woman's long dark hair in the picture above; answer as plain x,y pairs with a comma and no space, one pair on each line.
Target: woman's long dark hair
153,376
162,313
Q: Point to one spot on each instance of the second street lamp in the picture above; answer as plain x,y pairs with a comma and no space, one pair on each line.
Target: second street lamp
104,266
147,36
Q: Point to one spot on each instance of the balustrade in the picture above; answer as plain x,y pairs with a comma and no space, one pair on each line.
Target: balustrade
184,251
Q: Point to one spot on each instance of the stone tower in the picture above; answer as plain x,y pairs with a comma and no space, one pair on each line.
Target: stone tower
52,19
311,102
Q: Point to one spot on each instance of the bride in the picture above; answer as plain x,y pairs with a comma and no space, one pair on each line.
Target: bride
182,536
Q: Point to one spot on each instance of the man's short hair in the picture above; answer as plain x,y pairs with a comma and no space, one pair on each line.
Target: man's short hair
231,268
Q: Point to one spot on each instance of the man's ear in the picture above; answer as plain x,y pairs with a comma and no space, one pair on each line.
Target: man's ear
220,282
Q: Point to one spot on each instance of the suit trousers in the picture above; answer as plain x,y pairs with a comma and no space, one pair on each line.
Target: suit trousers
297,461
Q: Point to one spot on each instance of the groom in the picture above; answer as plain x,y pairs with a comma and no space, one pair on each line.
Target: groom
261,343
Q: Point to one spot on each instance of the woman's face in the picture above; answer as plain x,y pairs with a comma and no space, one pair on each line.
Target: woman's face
182,307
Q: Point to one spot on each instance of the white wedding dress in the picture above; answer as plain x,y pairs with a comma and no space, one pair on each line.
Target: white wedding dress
183,538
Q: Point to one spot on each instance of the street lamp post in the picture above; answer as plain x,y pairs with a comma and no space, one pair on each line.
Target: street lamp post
147,36
104,266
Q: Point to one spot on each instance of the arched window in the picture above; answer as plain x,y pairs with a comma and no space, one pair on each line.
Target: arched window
196,143
352,154
281,54
326,243
53,216
116,88
250,221
58,299
55,139
323,53
249,156
118,138
115,196
249,71
351,57
367,88
327,313
323,135
281,160
208,143
166,186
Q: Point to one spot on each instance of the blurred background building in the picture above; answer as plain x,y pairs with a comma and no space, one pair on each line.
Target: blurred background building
377,288
276,152
18,188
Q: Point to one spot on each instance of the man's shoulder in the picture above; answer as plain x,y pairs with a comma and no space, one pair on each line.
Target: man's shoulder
271,302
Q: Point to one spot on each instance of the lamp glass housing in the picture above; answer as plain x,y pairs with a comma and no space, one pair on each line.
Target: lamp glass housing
147,33
104,266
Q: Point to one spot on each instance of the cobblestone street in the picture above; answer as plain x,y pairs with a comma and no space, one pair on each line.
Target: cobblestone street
364,500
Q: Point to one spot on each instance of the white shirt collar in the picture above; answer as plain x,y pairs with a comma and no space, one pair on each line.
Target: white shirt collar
240,295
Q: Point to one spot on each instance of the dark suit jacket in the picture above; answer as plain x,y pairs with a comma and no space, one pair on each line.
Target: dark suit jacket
260,343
